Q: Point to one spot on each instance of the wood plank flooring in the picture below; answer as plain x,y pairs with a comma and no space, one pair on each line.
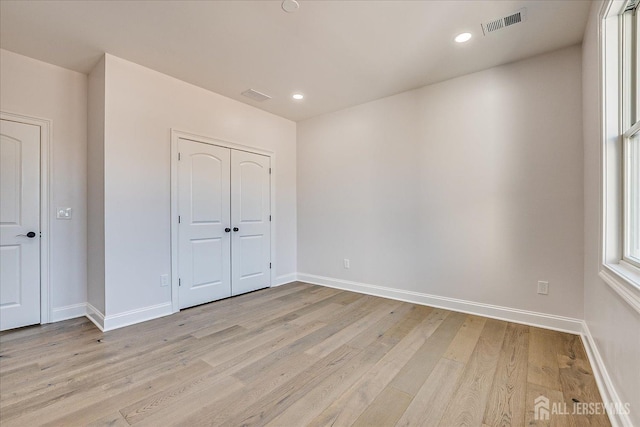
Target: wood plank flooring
294,355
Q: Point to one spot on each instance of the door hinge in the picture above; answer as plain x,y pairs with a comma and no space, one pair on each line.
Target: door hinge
269,171
178,219
179,156
179,282
269,265
269,217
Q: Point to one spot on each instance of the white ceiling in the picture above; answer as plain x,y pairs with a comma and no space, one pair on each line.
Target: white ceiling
338,53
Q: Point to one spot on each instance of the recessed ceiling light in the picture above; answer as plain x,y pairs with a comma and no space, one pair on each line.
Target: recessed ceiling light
298,96
463,37
290,6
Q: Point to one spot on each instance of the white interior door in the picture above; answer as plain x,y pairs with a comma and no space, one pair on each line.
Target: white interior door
204,252
19,224
250,216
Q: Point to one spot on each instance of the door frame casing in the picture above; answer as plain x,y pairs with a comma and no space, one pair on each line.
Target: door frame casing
176,135
46,129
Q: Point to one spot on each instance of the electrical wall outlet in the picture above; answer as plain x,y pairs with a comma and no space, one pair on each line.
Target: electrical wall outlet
346,263
543,288
164,280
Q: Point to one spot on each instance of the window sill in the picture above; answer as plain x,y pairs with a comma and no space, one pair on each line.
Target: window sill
625,280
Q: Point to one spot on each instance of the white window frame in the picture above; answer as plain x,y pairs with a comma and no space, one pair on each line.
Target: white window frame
615,269
630,122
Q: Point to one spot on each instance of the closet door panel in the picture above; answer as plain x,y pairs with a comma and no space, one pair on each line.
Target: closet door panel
204,255
250,216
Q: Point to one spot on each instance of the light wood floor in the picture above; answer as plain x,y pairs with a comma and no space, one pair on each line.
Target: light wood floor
295,355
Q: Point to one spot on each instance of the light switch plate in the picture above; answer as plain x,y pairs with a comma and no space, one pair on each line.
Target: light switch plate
164,280
64,213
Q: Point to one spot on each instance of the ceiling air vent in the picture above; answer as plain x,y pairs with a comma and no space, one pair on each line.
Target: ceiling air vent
255,95
507,21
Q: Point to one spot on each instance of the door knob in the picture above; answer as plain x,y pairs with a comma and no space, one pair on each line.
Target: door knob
236,229
30,235
226,230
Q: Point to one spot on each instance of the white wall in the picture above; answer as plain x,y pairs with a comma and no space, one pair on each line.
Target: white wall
469,189
95,182
34,88
614,325
141,107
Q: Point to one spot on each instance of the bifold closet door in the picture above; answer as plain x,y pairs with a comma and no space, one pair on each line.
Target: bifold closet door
204,247
250,216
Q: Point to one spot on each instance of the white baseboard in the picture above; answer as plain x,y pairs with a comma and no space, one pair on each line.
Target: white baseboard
542,320
68,312
127,318
95,316
605,385
284,279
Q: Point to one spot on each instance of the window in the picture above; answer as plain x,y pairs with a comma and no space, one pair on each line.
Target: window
620,133
630,107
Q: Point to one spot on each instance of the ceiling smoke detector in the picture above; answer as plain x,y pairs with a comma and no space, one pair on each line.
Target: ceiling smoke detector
504,22
290,6
255,95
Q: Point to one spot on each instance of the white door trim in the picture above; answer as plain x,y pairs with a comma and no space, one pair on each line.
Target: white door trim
46,127
175,136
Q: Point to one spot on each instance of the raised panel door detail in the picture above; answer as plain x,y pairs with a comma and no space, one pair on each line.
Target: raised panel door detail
207,259
251,192
251,258
19,215
206,191
10,180
10,292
